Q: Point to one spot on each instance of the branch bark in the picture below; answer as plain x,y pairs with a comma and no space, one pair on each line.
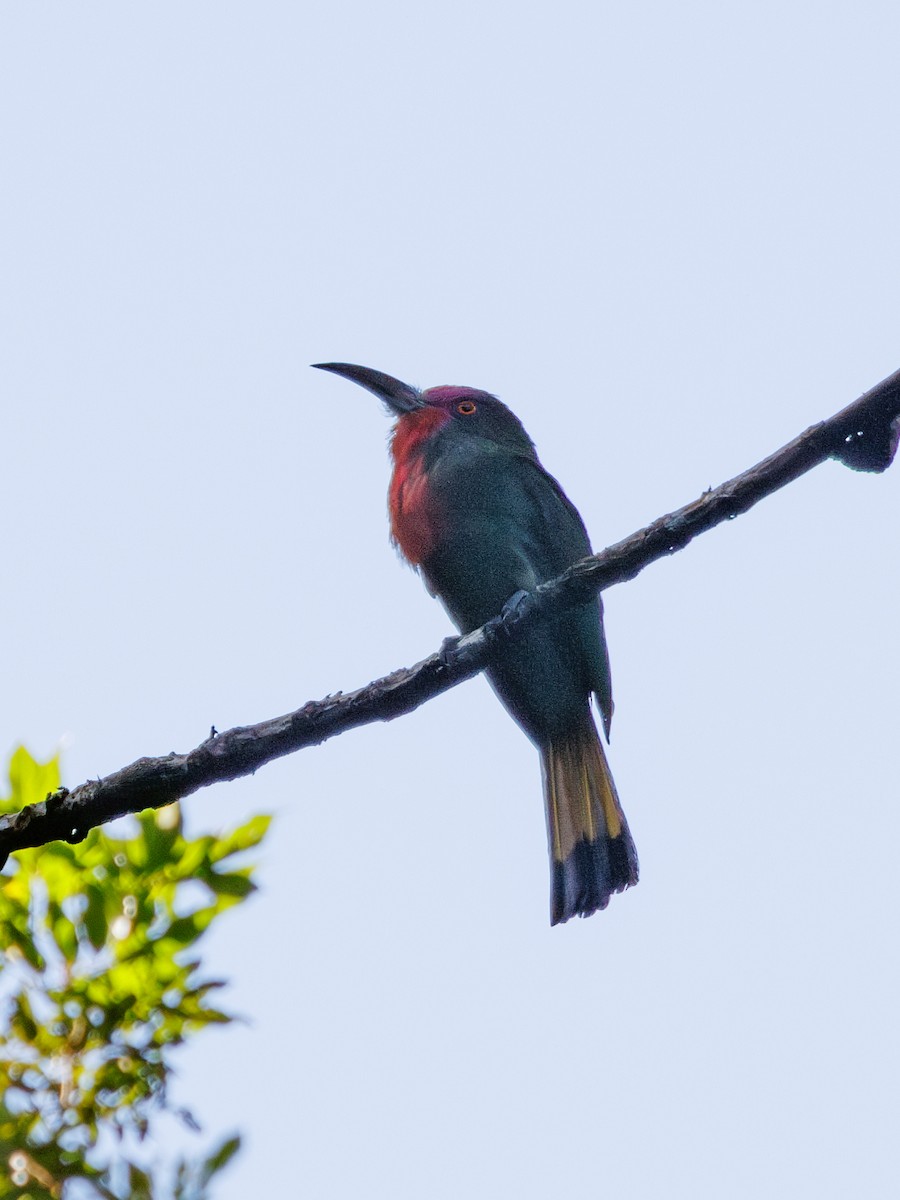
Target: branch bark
863,436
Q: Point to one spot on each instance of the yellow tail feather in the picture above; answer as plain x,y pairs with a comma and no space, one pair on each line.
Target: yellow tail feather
591,851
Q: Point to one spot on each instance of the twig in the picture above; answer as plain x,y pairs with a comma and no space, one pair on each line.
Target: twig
863,436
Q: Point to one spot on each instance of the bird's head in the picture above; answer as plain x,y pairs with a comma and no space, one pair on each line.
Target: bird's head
446,415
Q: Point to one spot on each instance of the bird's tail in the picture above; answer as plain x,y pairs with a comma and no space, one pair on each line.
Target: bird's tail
591,851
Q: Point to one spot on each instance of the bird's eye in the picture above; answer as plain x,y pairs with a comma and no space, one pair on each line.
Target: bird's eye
466,408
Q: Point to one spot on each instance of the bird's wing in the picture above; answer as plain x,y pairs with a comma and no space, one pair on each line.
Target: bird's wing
559,540
507,524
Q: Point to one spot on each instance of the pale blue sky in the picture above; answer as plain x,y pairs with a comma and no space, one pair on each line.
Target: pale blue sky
667,236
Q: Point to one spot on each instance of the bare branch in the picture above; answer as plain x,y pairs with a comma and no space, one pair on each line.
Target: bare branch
863,436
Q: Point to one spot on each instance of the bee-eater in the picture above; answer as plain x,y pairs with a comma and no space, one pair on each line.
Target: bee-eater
474,511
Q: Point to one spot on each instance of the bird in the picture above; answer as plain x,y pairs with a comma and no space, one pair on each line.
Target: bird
476,514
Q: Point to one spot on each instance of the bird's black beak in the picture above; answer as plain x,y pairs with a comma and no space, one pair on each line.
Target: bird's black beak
399,397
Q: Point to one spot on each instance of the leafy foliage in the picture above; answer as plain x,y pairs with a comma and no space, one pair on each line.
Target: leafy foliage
99,982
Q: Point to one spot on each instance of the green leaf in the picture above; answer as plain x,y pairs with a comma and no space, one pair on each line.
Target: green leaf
60,850
220,1157
194,854
31,780
63,877
13,935
95,915
161,831
185,930
139,1184
63,933
22,1020
234,883
243,838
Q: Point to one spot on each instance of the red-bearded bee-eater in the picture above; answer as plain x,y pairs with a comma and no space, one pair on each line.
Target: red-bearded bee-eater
474,511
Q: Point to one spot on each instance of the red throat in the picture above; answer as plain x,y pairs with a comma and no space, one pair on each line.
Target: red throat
413,520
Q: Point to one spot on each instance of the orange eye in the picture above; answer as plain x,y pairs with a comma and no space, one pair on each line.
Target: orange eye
466,408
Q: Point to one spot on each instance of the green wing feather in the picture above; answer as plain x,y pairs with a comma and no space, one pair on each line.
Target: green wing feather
506,524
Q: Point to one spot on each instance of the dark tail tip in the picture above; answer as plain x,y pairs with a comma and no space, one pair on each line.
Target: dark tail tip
583,883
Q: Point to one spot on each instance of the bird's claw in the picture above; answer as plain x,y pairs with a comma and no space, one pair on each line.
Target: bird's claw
517,606
447,650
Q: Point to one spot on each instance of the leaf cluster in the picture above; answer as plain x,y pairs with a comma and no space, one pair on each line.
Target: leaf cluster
100,980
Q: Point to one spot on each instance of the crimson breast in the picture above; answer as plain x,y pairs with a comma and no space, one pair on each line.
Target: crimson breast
415,526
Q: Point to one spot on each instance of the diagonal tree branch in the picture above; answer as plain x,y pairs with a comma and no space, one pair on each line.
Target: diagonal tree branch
863,436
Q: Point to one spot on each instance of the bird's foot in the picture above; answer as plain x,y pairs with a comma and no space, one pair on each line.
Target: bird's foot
519,605
447,651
